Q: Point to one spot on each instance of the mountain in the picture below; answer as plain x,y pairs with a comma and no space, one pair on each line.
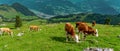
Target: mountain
97,6
10,11
64,7
22,9
51,7
115,4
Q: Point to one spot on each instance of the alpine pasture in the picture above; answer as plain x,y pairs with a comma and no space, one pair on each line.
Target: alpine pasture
52,37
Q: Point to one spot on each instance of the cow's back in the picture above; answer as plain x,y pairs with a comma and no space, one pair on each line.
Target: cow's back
83,27
5,29
69,28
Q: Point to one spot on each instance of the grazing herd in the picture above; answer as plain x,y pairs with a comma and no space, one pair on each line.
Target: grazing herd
82,28
10,32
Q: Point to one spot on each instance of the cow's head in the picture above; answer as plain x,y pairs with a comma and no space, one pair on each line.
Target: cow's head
77,38
77,24
96,33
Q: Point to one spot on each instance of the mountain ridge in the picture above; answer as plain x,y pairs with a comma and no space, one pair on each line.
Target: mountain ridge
63,7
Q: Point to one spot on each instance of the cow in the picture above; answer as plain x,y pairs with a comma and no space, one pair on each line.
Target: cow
6,30
34,28
93,23
70,32
85,29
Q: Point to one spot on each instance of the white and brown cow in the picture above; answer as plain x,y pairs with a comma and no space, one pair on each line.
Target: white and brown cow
70,32
85,29
6,30
34,28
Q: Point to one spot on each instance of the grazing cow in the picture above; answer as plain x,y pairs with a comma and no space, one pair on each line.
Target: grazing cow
87,30
70,32
6,30
34,28
93,23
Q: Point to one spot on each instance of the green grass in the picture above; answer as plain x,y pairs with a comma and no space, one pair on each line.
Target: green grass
52,38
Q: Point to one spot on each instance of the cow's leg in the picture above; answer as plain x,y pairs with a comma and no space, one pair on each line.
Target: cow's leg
1,33
84,36
30,29
67,37
77,30
79,35
11,33
37,29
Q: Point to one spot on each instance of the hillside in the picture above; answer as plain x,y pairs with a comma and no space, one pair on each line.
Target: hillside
22,9
51,37
8,11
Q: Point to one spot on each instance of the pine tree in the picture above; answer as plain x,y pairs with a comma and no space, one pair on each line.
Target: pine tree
107,21
1,20
18,22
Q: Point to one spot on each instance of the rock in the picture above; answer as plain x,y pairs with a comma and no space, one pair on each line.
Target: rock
5,46
20,34
108,49
118,36
98,49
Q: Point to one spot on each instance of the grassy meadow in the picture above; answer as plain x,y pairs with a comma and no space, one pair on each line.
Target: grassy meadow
51,37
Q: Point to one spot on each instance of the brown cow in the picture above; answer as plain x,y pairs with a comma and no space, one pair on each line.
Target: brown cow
93,23
70,32
6,30
34,28
87,30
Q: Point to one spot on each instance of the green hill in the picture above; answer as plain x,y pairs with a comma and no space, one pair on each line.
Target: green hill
7,11
86,17
51,37
22,9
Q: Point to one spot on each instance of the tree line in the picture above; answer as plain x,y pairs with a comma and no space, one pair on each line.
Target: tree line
86,17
